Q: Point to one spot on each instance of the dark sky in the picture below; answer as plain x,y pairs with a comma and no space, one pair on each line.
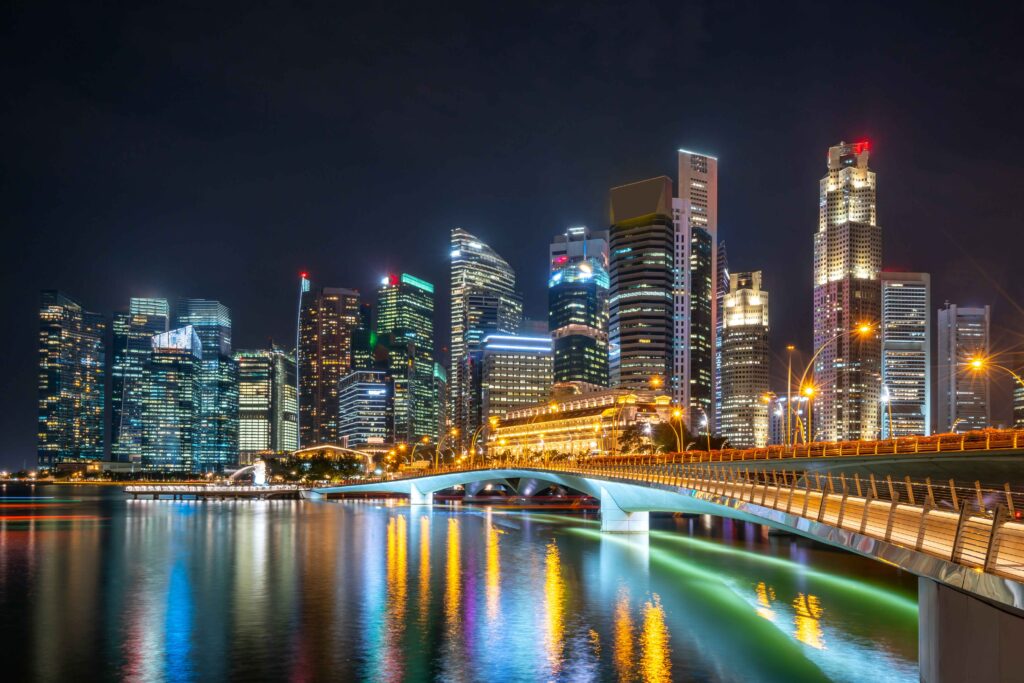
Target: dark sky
216,151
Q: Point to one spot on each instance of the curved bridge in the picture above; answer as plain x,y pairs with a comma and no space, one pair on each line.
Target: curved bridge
965,543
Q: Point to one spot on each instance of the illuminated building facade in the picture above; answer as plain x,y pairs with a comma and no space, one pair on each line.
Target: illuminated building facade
216,441
1018,403
641,248
847,292
906,354
366,413
745,357
696,298
484,301
578,306
515,371
405,311
723,289
963,397
267,405
327,317
133,332
590,423
71,381
171,401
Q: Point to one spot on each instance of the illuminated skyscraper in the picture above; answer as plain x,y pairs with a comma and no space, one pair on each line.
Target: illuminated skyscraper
515,372
847,292
71,381
132,344
327,316
696,301
365,408
745,357
641,246
906,354
216,442
405,311
962,396
1018,403
578,306
484,301
267,406
723,289
171,401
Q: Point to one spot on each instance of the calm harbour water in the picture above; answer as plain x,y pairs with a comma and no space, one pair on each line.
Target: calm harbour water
97,587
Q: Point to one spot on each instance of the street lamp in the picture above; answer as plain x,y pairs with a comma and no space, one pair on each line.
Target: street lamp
454,431
677,415
886,400
980,363
808,392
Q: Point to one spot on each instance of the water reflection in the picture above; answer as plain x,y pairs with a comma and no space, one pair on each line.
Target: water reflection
370,591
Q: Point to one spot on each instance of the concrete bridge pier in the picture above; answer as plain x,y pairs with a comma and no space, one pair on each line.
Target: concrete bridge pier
964,638
617,521
417,497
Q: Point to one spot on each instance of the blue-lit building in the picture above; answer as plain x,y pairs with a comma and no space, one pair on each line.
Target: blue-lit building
171,401
133,332
216,445
365,408
71,381
578,306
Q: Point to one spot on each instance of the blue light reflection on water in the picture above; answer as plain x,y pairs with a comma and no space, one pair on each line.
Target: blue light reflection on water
383,591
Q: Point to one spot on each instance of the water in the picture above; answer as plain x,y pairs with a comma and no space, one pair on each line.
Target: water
96,587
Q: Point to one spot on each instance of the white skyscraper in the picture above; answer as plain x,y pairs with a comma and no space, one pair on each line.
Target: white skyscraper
963,396
847,293
906,354
745,357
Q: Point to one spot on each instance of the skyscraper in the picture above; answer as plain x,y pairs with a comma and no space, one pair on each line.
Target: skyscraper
745,357
578,306
847,263
641,245
171,401
71,381
906,354
1018,403
132,344
267,406
962,396
722,281
216,442
405,310
697,299
327,316
515,372
365,408
484,301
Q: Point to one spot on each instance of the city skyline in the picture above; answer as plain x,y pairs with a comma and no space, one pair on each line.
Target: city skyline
552,178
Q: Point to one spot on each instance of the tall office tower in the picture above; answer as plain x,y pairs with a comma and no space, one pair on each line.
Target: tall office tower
327,316
216,443
640,321
441,392
906,354
171,401
962,395
267,407
132,344
516,371
722,267
71,381
698,224
405,310
365,402
578,306
847,292
745,356
484,301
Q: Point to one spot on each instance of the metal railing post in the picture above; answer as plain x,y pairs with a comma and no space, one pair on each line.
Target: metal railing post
992,552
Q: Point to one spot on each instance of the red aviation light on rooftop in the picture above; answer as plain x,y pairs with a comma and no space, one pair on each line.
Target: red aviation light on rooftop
861,147
304,275
392,279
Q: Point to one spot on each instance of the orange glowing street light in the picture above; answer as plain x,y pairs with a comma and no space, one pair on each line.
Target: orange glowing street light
979,363
655,382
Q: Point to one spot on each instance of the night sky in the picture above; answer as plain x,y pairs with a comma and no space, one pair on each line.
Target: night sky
216,152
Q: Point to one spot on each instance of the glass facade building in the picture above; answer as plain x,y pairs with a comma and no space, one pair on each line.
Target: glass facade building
133,332
216,442
71,381
484,301
366,412
515,371
171,401
578,306
745,358
327,318
963,397
906,354
267,405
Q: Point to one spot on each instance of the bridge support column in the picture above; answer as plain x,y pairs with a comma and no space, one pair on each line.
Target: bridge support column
617,521
417,497
963,638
